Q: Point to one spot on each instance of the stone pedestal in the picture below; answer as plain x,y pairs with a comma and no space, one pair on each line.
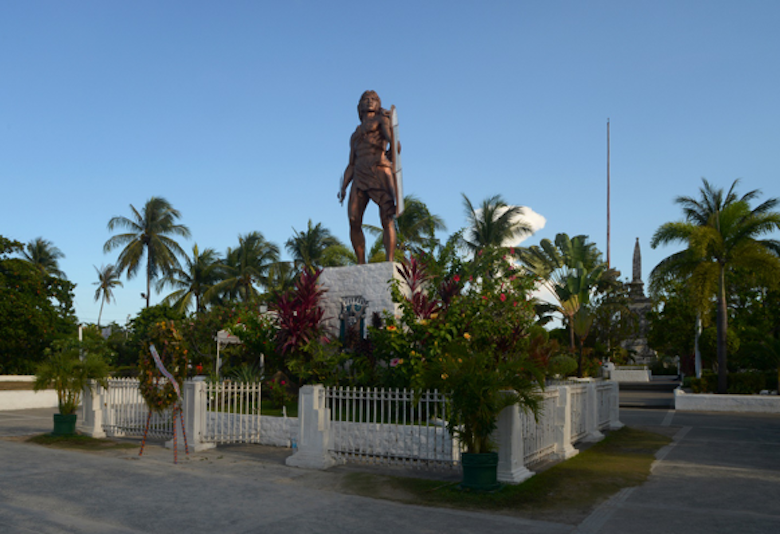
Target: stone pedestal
366,286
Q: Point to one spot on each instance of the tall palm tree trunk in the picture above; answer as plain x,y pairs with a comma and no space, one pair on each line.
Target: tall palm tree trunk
100,313
148,280
722,328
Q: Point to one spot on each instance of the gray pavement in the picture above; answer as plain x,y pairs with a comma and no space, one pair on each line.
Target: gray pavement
722,474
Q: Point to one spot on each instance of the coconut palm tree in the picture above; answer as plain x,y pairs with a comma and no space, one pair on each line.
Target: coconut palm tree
281,277
415,230
493,224
44,256
721,233
245,266
149,236
308,248
108,279
192,281
338,256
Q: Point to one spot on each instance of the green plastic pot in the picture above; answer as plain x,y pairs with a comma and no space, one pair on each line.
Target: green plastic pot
64,425
480,471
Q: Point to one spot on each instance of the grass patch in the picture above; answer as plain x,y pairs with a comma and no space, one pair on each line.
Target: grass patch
566,492
267,408
80,442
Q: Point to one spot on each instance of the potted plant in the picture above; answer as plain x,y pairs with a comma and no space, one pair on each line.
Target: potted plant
69,368
467,329
479,386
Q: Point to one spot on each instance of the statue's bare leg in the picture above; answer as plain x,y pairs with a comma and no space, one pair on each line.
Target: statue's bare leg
356,209
389,237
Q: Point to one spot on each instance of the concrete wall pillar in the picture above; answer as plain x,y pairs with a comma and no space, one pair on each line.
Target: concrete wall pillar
614,407
92,411
563,446
592,416
314,435
194,407
511,453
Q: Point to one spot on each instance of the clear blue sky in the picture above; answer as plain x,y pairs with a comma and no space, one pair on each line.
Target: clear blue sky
239,113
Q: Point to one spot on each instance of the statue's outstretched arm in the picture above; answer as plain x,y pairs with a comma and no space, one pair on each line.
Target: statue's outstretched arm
345,181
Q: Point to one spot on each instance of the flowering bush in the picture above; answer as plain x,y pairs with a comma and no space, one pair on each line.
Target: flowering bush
465,331
279,391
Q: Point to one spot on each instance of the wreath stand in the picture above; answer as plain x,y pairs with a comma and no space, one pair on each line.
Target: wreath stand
177,409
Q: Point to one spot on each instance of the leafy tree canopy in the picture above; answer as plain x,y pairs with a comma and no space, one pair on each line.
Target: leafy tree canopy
35,309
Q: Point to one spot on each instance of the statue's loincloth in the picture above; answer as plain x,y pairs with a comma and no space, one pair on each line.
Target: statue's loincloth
373,178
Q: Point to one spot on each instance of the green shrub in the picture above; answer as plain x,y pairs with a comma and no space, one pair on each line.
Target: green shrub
746,383
664,368
708,383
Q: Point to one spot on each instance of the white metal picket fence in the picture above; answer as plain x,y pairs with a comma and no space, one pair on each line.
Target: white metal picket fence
604,403
539,437
376,426
233,412
579,411
125,412
388,427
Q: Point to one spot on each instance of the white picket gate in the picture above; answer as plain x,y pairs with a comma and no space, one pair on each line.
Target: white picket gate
233,412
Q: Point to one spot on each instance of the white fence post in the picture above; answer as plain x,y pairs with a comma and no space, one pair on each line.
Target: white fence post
314,436
563,447
592,416
194,406
511,455
92,411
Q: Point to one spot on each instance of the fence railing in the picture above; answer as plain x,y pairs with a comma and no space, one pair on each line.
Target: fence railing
579,411
365,425
125,413
233,412
390,427
539,437
605,403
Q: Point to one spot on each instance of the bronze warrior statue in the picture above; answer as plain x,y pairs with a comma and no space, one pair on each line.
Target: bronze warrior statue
370,170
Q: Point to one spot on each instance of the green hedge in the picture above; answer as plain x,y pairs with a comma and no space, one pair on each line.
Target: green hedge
742,383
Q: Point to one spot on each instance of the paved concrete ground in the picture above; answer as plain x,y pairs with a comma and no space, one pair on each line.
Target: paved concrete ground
722,474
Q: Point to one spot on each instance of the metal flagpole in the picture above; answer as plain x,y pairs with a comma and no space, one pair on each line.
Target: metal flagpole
609,263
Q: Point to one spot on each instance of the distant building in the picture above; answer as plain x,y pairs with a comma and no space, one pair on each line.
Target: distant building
640,304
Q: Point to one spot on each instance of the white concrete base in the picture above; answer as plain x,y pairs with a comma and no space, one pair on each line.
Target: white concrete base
709,402
311,461
593,437
566,452
516,476
370,281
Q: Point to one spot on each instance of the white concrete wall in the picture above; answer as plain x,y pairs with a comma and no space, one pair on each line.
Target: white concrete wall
274,431
17,378
708,402
370,281
630,375
28,399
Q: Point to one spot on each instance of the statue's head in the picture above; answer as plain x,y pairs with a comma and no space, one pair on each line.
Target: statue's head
365,103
